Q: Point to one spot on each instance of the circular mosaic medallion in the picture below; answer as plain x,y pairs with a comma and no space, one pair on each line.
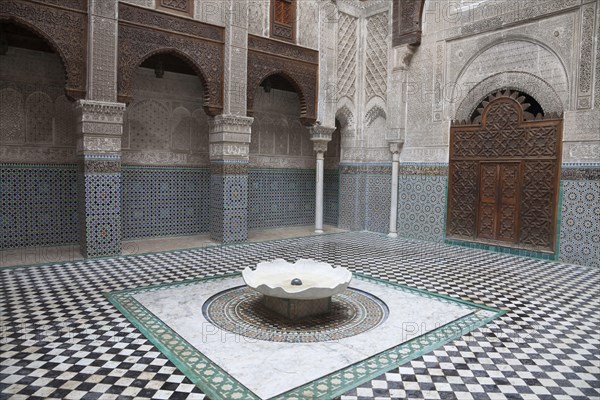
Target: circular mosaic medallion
240,310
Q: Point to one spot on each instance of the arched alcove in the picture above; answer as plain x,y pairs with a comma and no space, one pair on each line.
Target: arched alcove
281,189
37,127
165,151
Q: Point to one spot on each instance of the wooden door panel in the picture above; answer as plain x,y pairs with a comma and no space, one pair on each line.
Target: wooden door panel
488,194
508,212
504,175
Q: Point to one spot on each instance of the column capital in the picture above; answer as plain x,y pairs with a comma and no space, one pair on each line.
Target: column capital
229,137
100,126
395,148
100,111
229,123
320,132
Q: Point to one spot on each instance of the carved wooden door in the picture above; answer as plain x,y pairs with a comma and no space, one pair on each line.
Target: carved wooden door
498,211
503,179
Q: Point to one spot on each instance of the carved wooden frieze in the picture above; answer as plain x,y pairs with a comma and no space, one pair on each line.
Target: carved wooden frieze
504,175
64,26
144,33
407,15
299,65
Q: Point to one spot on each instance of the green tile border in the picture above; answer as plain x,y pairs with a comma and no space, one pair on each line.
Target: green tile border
219,385
497,248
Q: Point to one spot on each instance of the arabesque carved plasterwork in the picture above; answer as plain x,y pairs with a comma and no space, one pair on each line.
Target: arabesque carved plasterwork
346,59
374,113
377,56
586,62
65,30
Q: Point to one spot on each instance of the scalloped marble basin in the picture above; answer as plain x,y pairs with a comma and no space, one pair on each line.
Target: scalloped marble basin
318,279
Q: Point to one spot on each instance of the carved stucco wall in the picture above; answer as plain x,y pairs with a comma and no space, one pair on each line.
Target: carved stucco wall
468,52
165,124
37,124
279,140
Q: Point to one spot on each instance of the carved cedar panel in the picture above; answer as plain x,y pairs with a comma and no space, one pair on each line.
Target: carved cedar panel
512,159
64,29
283,19
463,196
407,16
142,34
299,65
184,7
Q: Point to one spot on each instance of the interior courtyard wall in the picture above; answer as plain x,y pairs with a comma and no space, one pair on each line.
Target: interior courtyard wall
38,171
282,165
166,170
363,85
468,53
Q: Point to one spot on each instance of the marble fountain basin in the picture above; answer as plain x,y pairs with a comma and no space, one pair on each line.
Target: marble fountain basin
297,290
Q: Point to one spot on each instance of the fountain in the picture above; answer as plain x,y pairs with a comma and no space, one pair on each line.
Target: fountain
297,290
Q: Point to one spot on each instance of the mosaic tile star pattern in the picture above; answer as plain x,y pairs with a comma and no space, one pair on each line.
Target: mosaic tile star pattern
60,341
165,201
281,197
38,205
421,207
580,225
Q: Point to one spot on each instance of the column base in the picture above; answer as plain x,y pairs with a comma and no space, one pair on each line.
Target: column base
319,231
392,235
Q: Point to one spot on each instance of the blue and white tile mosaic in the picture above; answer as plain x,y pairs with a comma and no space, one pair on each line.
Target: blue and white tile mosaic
165,201
421,207
100,220
352,202
580,223
281,197
38,205
331,197
229,208
378,203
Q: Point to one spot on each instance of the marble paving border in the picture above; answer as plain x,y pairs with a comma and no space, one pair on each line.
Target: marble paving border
219,385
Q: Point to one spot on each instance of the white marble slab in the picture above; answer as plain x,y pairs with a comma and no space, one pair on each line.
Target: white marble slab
271,368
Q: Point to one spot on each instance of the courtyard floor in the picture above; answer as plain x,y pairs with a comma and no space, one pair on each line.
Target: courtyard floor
62,338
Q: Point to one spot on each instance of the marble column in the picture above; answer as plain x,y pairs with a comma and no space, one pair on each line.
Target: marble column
395,149
320,136
100,125
229,156
99,179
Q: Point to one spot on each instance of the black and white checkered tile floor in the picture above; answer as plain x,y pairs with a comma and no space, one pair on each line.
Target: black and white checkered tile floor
62,339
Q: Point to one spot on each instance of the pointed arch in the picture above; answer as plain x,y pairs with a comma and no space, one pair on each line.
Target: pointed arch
198,44
127,74
66,40
285,75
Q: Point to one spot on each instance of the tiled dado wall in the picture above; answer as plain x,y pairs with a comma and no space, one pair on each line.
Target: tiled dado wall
38,205
286,197
365,192
580,214
422,201
162,201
